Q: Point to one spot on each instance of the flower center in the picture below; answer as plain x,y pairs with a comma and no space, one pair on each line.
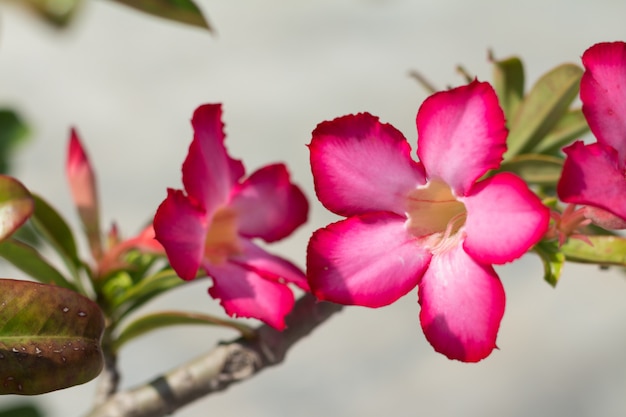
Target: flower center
435,215
222,239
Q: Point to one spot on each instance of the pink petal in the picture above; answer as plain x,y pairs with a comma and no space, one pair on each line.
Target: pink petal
269,206
244,293
181,228
209,173
603,93
593,175
269,266
504,219
361,165
461,135
82,180
369,260
462,306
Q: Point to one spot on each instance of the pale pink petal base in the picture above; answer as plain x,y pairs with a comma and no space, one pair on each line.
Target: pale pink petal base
462,306
504,219
581,184
271,206
368,260
244,293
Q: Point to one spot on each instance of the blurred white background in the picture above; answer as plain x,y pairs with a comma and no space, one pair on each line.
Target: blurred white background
130,83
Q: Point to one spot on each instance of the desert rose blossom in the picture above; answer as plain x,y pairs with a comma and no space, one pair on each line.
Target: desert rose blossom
434,224
210,225
595,174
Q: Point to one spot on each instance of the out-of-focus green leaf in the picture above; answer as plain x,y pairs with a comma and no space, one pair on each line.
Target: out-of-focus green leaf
552,258
605,250
16,205
49,338
508,81
570,127
183,11
535,169
137,295
542,108
162,319
30,261
22,410
56,12
55,230
13,131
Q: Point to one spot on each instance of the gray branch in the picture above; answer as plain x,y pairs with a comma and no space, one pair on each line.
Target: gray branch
225,365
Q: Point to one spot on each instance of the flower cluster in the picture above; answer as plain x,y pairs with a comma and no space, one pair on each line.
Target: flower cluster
439,222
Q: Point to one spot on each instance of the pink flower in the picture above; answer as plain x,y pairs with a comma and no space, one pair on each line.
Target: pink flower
210,225
594,174
433,223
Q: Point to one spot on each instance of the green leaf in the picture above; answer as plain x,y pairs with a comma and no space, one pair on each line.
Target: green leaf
605,250
142,292
16,205
542,108
162,319
21,410
183,11
56,12
570,127
53,228
49,338
552,258
13,131
29,260
535,169
508,81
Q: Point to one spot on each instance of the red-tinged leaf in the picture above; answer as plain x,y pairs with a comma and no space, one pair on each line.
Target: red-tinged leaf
183,11
16,205
49,338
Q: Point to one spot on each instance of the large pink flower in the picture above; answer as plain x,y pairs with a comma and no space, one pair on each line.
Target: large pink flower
594,174
432,223
210,225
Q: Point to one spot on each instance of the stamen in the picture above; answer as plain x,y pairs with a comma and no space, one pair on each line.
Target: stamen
451,236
